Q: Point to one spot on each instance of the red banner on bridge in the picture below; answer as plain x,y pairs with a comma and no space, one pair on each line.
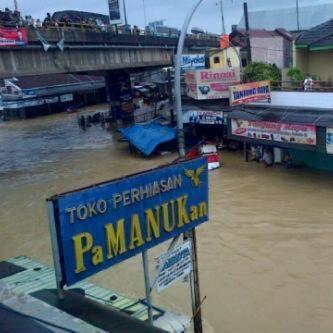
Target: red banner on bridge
13,36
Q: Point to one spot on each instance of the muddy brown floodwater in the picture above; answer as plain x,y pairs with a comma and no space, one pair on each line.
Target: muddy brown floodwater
265,256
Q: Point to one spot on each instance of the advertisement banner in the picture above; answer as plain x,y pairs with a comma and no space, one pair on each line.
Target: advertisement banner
13,36
203,117
192,61
224,41
211,84
329,140
177,264
115,10
104,224
249,92
271,131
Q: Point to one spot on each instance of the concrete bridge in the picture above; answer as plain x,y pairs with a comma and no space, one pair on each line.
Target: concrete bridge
91,51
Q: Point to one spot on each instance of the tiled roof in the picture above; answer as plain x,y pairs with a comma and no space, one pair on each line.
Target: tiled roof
237,37
259,33
43,81
320,36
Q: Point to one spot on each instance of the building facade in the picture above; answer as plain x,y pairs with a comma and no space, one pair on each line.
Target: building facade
314,52
271,47
229,57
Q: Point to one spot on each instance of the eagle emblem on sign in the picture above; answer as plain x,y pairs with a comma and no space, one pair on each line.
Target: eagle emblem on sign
194,175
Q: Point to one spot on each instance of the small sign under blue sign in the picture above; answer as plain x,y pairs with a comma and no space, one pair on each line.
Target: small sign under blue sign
105,224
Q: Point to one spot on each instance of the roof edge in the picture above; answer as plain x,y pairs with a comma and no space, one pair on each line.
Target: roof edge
301,46
321,48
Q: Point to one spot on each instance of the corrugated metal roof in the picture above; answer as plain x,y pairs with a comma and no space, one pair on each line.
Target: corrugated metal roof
38,276
286,18
260,33
289,115
18,311
51,80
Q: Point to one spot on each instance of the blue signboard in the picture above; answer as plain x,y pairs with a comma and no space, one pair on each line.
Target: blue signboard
102,225
193,61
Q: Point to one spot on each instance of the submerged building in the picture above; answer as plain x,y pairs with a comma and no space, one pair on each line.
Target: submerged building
296,124
31,96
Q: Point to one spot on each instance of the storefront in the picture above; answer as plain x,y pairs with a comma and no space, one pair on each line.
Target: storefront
305,134
205,119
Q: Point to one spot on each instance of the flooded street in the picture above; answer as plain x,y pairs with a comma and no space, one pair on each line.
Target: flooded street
265,256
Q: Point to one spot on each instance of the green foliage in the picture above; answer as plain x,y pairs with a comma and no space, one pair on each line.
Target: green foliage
259,71
296,77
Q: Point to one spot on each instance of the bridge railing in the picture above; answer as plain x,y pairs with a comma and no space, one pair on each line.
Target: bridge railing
135,31
317,86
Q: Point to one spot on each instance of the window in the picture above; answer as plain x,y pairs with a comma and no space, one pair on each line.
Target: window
216,60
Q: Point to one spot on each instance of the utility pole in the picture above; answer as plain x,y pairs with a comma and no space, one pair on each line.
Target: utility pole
297,15
222,16
15,5
247,28
125,12
195,286
144,12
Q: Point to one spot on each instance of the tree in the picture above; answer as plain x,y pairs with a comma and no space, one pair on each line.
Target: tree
259,71
296,77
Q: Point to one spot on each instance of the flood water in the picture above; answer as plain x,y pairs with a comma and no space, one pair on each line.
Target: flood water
265,257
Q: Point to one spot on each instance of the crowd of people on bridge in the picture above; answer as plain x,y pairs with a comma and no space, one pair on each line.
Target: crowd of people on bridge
72,20
9,18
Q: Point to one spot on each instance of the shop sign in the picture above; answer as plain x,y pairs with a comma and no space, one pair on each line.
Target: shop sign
30,103
192,61
51,100
329,140
272,131
66,98
29,93
13,36
97,227
177,264
211,84
34,102
249,92
203,117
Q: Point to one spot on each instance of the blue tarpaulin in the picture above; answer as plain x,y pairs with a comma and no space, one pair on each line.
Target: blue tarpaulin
147,137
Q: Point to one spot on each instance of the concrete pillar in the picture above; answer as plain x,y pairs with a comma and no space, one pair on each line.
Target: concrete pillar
245,152
119,95
22,113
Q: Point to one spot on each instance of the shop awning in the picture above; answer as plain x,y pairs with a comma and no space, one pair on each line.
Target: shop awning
286,115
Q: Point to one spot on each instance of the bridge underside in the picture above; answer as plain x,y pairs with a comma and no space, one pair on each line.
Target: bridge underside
35,61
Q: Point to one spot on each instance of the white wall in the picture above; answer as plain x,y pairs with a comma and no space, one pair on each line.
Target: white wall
268,50
302,99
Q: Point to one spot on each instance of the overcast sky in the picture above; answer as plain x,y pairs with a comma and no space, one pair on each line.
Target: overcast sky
172,11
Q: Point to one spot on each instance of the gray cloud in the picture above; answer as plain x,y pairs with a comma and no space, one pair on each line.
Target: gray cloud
173,11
